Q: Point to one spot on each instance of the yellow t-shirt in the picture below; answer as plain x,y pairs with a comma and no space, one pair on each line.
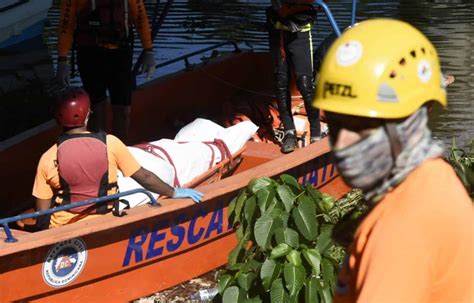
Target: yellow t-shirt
416,245
47,177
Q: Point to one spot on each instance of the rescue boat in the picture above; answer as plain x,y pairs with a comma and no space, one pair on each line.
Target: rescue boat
150,248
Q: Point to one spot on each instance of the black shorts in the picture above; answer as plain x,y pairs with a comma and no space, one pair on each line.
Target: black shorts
106,69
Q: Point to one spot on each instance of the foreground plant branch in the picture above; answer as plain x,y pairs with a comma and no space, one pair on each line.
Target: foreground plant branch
285,252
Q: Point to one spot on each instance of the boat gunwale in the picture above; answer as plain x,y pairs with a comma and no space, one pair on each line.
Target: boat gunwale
211,191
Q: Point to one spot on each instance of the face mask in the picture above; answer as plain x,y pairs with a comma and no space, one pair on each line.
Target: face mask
367,162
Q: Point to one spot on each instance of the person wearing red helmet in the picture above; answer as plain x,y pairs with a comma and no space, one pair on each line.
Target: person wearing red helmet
83,165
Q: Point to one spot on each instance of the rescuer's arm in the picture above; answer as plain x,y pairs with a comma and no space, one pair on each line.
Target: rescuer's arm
151,182
66,26
42,222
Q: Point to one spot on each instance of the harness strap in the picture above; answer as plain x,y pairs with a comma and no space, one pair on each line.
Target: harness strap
150,148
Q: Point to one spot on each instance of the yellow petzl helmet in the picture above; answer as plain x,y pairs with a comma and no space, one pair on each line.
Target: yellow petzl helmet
380,68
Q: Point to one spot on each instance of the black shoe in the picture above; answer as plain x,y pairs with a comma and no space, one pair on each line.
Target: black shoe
314,139
289,143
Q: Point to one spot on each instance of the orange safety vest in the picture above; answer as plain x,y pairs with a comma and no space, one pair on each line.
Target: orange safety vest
77,14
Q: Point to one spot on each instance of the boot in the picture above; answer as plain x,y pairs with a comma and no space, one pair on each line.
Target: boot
289,142
306,88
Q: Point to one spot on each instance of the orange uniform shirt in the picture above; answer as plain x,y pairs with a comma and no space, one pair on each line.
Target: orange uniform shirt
67,23
416,245
47,177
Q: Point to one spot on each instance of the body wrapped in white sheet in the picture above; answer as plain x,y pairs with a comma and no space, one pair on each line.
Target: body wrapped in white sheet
190,156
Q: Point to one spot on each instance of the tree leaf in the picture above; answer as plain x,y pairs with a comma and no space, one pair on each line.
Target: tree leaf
288,236
280,250
328,276
245,280
304,216
286,196
264,229
224,282
324,238
291,181
278,293
269,272
313,193
231,210
258,183
294,277
313,257
264,197
239,206
311,290
294,257
233,295
249,209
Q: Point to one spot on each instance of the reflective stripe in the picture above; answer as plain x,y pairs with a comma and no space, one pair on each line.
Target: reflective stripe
305,28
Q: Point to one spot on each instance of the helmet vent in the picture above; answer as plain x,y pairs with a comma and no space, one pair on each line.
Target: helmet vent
393,74
423,50
413,53
402,62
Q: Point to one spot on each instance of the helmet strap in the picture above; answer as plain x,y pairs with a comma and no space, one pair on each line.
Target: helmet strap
394,139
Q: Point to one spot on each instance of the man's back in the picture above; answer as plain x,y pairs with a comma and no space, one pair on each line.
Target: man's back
416,244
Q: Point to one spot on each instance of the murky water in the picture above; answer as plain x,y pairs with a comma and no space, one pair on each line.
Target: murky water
196,24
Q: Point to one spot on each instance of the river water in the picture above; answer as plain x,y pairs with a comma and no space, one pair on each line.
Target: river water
195,24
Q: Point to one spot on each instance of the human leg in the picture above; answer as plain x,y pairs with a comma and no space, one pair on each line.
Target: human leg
120,88
301,51
92,71
282,82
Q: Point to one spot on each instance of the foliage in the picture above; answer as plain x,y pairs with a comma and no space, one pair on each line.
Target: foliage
285,251
463,164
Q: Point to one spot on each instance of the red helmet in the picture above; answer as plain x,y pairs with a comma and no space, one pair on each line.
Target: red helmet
72,108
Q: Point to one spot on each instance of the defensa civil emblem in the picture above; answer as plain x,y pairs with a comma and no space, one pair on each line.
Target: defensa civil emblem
64,262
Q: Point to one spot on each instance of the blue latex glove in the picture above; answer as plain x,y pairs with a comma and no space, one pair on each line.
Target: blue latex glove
181,192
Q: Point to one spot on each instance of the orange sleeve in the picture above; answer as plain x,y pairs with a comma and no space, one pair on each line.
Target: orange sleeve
67,24
41,187
126,163
140,19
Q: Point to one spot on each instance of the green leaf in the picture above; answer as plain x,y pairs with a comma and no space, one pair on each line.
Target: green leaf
280,250
294,277
278,293
251,265
315,194
245,280
324,238
252,300
249,209
269,272
256,184
311,291
239,206
224,282
231,210
326,203
328,275
284,218
264,198
233,295
264,229
288,236
305,219
294,257
313,257
291,181
286,196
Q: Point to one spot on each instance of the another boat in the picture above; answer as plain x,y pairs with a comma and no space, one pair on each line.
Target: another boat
151,248
21,20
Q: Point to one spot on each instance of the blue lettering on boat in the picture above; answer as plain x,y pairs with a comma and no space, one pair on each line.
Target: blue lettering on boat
165,237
